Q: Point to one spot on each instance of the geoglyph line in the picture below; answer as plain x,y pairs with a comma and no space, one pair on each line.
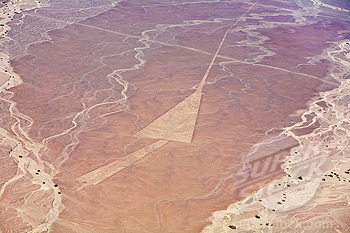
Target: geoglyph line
192,49
98,175
177,124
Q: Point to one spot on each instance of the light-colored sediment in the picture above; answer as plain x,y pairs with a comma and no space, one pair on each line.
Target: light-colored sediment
18,140
25,152
8,78
320,3
317,183
35,167
313,196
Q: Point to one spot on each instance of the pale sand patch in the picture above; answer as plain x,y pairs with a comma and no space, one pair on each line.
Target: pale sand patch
318,2
3,78
10,82
40,221
314,196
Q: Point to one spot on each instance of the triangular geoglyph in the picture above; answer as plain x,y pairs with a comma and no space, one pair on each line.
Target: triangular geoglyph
177,124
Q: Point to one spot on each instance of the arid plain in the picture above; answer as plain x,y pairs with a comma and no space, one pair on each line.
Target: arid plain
175,116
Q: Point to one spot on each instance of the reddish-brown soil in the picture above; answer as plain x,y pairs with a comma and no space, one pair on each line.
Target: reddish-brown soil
81,116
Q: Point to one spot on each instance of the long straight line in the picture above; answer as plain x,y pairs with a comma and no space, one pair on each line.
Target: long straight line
206,74
85,25
280,69
192,49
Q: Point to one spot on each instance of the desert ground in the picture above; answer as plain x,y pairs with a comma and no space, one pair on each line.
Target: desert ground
174,116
